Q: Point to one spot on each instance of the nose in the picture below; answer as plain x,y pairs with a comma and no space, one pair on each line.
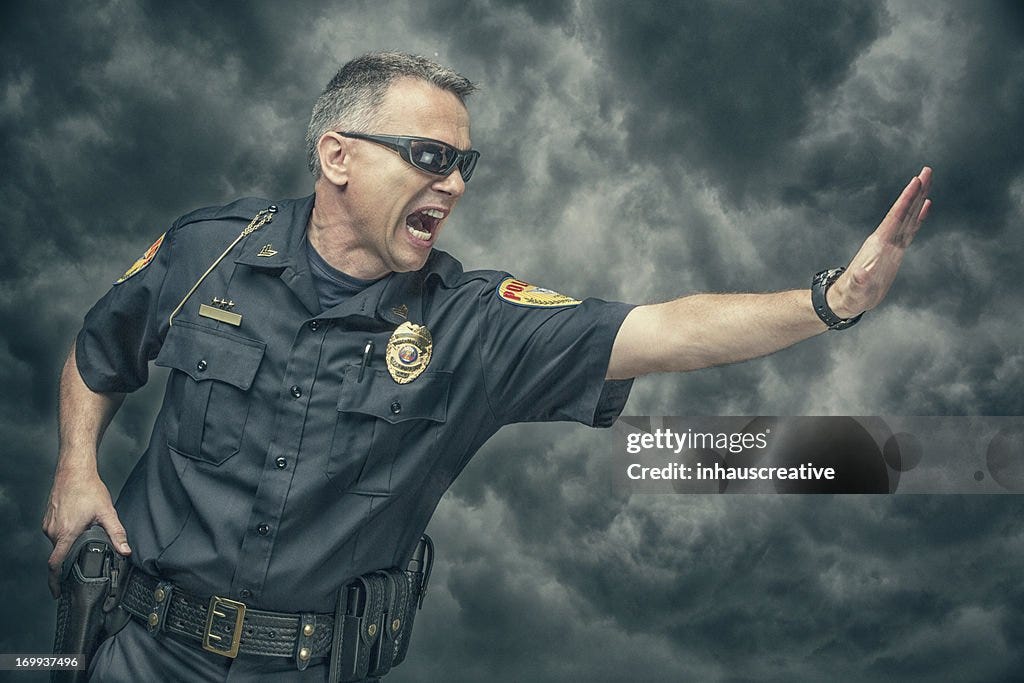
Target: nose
452,184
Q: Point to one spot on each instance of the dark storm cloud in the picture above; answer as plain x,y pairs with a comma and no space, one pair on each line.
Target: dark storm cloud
981,123
729,86
630,150
849,582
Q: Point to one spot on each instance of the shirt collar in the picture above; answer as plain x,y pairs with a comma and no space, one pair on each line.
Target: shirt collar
280,243
281,246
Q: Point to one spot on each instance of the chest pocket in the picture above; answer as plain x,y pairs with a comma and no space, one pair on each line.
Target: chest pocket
213,372
386,432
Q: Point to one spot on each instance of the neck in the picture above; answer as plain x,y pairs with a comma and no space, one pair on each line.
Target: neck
333,237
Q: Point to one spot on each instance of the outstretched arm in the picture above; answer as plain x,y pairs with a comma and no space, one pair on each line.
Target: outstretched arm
79,497
711,329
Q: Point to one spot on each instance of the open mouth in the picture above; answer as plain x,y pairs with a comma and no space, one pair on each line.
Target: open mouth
422,224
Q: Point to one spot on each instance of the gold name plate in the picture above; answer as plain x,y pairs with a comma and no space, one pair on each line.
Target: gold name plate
223,316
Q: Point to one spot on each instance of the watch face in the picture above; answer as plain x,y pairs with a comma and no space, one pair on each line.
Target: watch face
827,277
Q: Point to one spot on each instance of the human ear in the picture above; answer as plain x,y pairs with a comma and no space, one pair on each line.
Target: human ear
334,155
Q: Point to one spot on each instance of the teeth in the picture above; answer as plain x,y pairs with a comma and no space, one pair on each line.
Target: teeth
419,234
434,213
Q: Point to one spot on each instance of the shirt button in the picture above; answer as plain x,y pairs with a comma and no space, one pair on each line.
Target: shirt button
281,463
314,325
296,391
263,529
396,407
201,365
245,593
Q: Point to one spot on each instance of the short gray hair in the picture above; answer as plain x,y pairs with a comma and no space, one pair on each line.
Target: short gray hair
352,99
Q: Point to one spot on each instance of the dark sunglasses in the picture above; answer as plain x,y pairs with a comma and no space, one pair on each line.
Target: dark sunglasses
432,156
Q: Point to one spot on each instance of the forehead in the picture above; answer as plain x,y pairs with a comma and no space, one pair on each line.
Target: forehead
415,107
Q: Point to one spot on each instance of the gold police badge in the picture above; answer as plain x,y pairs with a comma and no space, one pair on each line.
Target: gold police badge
408,352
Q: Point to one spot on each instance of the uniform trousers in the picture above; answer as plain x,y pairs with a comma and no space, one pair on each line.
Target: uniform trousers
134,655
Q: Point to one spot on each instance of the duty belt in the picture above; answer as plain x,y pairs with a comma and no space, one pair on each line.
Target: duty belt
227,627
367,634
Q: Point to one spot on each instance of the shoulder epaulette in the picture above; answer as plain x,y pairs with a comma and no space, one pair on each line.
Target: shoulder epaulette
242,210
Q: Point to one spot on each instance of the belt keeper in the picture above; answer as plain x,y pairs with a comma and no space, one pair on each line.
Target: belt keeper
304,641
159,605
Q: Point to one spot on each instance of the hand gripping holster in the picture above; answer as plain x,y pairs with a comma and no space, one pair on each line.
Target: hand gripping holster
91,584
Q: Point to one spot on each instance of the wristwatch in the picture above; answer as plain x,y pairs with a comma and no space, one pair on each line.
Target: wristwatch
819,287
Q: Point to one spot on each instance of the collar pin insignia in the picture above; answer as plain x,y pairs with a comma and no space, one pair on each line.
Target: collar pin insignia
267,251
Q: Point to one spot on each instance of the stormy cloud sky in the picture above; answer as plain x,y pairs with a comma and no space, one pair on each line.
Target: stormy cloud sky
633,151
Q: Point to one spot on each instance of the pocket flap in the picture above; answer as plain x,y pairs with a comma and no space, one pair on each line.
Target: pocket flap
203,353
425,398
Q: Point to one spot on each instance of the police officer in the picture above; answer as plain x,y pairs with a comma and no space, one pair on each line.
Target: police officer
332,373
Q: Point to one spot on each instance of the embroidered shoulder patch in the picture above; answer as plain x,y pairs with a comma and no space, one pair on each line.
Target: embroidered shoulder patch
143,260
524,294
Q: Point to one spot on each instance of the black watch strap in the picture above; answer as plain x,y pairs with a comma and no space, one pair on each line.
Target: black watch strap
819,287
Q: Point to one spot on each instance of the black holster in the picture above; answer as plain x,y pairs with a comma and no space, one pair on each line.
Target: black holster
92,581
374,617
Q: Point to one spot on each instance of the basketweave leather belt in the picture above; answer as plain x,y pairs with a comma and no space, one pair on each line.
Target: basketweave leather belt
227,627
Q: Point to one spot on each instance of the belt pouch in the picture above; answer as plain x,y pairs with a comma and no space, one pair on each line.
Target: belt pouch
397,621
346,643
412,591
383,656
373,622
415,579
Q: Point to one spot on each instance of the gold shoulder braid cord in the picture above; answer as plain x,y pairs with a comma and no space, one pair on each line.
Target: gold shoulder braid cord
258,221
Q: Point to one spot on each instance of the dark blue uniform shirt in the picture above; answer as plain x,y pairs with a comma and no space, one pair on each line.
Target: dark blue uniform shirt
274,473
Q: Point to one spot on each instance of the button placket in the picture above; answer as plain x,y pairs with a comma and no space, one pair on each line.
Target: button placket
290,416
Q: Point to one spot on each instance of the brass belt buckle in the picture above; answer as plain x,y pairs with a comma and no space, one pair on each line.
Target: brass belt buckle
211,641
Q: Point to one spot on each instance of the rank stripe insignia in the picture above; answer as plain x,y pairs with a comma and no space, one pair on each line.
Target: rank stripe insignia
143,260
522,293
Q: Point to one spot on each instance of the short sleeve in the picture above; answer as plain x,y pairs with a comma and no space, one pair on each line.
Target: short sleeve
544,364
124,330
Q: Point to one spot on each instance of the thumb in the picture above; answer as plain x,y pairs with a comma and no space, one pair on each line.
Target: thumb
112,525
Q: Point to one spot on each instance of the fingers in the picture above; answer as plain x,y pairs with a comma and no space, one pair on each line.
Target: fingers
915,191
60,550
924,211
62,540
910,223
925,177
907,213
918,210
915,207
902,204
